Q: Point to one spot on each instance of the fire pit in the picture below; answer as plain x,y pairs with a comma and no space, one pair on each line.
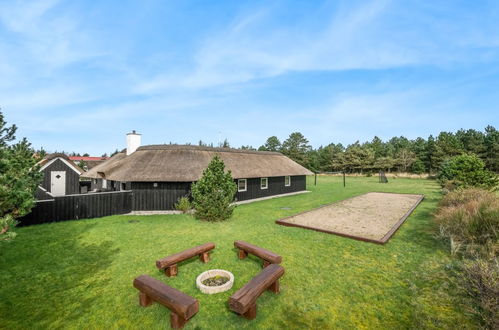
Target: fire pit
214,281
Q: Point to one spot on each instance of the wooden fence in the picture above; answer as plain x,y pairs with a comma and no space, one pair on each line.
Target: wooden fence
72,207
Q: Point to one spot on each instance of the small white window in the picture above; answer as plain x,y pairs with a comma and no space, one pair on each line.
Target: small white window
241,185
264,183
287,181
104,184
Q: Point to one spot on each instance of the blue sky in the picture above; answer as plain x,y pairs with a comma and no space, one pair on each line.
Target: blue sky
79,75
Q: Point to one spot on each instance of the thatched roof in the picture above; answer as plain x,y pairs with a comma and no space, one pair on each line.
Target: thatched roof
47,159
184,163
99,170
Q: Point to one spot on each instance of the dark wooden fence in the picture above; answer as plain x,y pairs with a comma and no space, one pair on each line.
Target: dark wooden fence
72,207
148,196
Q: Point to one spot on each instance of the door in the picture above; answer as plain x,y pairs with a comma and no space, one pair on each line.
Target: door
58,183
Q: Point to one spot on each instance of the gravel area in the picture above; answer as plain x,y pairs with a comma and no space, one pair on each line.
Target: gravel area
369,216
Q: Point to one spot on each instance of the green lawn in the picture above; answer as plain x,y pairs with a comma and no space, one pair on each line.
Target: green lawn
78,274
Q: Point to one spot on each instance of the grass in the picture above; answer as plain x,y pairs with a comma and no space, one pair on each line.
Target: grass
78,274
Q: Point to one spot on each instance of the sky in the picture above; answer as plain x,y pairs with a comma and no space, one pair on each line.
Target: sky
79,75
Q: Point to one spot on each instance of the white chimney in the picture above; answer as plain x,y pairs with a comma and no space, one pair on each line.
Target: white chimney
132,142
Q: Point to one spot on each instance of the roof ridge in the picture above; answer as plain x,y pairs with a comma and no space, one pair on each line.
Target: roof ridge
204,148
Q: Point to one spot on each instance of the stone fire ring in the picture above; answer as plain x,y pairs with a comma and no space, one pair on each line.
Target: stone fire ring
214,289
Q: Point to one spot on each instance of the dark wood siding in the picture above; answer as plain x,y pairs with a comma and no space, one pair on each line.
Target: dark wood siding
146,197
275,187
72,178
79,207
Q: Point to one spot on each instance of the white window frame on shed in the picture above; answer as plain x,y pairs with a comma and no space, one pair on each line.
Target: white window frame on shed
262,180
239,181
287,178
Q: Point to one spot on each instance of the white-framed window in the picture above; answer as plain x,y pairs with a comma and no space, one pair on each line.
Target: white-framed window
104,184
241,185
287,181
264,183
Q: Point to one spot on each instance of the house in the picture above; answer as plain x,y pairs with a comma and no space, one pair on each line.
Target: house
60,177
159,175
87,162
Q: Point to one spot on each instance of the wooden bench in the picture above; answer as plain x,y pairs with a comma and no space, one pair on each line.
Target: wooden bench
267,256
182,306
169,264
243,301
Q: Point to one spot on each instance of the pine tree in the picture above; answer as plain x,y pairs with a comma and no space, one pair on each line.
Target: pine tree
19,178
272,144
214,193
296,148
492,148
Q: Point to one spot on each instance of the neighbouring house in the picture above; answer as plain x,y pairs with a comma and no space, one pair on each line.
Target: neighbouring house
86,162
60,177
158,175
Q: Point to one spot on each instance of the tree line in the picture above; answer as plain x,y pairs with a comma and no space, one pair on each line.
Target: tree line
397,154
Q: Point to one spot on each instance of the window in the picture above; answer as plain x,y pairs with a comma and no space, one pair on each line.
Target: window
287,181
241,185
264,183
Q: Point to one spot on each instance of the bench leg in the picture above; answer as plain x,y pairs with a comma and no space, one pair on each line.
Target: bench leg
177,321
274,287
250,313
265,263
204,257
171,270
144,300
242,254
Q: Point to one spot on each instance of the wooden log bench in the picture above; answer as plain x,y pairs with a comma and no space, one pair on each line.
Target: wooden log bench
169,264
267,256
243,301
181,306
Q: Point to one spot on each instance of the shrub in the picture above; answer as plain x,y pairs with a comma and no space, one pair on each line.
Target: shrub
183,204
481,281
466,170
214,193
469,218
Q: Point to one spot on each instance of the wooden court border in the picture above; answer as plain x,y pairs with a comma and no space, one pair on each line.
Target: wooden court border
382,241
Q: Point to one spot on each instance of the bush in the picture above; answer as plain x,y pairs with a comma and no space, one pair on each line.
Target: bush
481,281
466,170
470,219
183,204
214,193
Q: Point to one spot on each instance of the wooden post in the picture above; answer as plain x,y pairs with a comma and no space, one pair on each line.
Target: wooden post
250,313
274,287
343,178
315,182
171,270
242,254
176,321
204,257
144,300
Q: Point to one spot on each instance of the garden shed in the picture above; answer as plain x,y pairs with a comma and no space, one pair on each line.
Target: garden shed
60,176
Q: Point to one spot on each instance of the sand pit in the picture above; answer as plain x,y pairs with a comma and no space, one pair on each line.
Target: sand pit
372,217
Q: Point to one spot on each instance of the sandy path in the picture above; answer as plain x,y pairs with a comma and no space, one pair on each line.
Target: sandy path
371,215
